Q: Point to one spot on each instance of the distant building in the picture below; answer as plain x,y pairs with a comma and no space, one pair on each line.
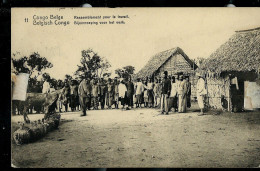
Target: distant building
174,61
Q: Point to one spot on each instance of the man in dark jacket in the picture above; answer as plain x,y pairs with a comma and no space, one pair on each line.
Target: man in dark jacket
84,92
73,95
103,91
110,93
130,92
166,89
66,96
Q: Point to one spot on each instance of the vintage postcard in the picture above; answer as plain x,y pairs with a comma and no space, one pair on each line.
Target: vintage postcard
135,87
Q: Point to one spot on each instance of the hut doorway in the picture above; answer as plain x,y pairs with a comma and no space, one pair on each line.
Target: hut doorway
237,95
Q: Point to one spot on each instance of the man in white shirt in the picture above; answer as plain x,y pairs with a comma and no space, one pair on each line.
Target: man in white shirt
173,95
139,89
201,92
46,86
122,92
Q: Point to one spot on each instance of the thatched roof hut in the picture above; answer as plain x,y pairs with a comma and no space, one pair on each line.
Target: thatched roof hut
232,69
240,53
158,60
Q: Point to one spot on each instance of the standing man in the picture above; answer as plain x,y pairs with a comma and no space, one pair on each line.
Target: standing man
110,93
84,92
201,92
103,91
95,93
182,96
46,85
166,89
122,93
73,95
116,93
130,92
173,96
157,92
139,89
46,88
188,92
150,86
66,96
145,94
60,99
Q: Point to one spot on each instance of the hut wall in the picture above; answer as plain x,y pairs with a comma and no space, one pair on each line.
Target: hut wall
216,87
177,63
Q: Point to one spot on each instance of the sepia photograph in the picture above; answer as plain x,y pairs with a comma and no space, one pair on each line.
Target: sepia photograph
135,87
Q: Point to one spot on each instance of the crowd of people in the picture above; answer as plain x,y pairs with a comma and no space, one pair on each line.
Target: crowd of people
167,93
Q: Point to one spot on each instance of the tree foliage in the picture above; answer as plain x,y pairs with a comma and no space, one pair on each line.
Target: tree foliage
200,61
125,72
91,65
34,65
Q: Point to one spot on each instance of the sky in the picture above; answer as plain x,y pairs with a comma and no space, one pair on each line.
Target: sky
198,31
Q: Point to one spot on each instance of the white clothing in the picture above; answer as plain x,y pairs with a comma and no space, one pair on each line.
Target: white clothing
122,89
150,86
139,88
173,90
201,90
46,87
200,101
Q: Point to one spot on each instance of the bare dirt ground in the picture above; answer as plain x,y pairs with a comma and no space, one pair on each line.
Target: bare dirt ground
142,138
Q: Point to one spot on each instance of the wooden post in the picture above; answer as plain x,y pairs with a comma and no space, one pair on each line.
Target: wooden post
229,98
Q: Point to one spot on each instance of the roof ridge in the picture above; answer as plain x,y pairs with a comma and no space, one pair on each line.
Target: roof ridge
252,29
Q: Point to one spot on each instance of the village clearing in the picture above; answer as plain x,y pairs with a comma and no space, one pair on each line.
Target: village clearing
142,138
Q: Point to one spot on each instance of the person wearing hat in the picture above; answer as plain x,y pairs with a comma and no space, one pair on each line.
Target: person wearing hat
166,89
201,92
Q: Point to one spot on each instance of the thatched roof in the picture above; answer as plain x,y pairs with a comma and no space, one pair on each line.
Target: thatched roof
159,59
239,53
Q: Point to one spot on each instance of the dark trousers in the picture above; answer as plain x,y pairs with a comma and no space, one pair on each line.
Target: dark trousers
85,103
73,101
123,100
102,101
130,100
173,103
188,101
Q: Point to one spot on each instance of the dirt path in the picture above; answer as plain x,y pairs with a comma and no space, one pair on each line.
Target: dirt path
142,138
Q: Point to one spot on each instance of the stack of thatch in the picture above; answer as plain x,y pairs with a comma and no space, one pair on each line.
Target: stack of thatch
239,53
35,130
